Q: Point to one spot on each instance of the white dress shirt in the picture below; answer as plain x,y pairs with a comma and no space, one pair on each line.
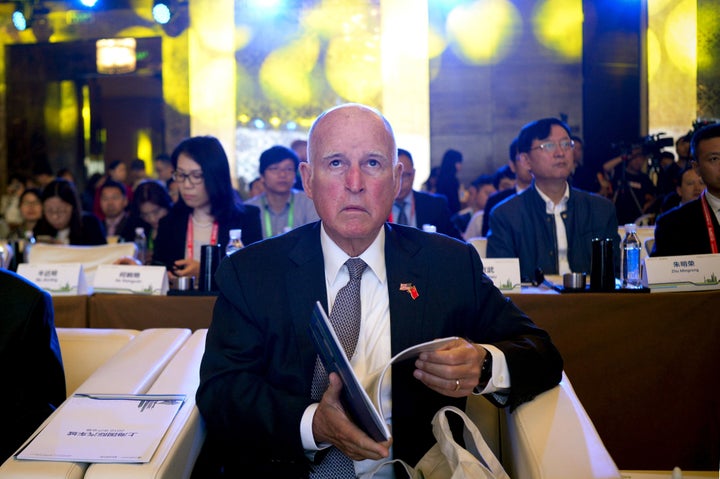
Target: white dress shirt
558,211
373,350
714,203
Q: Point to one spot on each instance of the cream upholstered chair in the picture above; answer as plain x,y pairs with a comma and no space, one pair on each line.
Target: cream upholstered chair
89,256
180,447
648,244
133,369
550,437
85,349
480,244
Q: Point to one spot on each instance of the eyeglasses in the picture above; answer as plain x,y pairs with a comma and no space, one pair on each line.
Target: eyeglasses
276,170
195,177
58,212
551,146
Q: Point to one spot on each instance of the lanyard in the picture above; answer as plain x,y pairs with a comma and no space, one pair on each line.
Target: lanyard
708,222
268,221
189,236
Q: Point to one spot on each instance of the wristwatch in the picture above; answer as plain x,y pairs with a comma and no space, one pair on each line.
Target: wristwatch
485,373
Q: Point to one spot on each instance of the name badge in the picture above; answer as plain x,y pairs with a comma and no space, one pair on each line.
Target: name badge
58,279
123,279
682,273
504,273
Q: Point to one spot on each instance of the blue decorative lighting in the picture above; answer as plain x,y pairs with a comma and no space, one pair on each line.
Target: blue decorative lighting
161,11
19,19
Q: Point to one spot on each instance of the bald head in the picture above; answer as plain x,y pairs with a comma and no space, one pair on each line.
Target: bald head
352,175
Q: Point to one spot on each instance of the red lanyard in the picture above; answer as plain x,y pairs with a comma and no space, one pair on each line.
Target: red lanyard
189,236
708,222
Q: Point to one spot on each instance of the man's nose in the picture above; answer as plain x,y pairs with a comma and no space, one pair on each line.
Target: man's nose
354,178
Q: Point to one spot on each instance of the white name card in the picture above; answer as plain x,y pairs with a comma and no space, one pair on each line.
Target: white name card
682,273
58,279
504,273
122,279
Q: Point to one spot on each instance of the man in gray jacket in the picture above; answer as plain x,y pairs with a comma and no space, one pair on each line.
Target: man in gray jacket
550,225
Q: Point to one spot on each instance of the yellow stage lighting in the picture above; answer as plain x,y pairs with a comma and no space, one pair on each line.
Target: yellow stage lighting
558,27
482,32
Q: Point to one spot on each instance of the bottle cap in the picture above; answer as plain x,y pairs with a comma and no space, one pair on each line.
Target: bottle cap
139,230
236,233
630,228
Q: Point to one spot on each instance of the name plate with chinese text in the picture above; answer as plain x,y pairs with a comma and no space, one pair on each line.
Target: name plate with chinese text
122,279
58,279
504,273
698,272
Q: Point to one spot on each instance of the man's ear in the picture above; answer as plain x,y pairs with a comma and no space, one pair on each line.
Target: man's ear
526,158
397,177
306,176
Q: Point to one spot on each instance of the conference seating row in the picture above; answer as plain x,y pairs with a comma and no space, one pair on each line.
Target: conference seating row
549,437
122,361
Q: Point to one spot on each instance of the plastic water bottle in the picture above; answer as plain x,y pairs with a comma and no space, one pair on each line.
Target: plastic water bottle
631,258
235,243
29,242
141,244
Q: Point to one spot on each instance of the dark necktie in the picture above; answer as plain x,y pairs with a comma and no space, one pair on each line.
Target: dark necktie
401,217
345,319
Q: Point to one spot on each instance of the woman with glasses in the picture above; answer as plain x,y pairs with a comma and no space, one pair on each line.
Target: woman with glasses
208,208
63,221
30,211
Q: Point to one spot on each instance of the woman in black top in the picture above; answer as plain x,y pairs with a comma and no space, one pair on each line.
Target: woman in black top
63,221
447,182
208,208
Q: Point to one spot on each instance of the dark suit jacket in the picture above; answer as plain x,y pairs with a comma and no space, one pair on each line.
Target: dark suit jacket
172,232
30,361
433,209
683,230
521,228
258,365
492,201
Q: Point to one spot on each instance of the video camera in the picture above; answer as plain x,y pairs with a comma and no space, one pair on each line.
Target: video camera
700,123
651,145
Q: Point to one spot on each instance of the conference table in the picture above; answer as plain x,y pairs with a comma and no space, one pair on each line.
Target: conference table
645,366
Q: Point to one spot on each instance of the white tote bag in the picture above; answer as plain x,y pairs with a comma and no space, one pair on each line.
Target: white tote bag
447,459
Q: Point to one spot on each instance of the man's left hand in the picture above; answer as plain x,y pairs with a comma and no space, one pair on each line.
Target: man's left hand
453,370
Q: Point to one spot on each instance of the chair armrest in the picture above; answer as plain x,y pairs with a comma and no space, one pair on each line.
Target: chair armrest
180,447
132,370
553,437
86,349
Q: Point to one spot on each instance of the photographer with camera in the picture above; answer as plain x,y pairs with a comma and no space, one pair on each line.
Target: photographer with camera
634,192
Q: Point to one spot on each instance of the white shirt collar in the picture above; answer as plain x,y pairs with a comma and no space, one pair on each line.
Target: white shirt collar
712,200
335,257
552,208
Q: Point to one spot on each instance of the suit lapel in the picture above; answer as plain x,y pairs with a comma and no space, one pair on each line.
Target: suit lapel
305,284
403,273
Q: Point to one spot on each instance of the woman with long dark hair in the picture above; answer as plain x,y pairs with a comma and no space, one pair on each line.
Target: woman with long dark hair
447,182
208,207
63,221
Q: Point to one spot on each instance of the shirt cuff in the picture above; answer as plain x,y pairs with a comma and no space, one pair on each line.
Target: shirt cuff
306,432
500,379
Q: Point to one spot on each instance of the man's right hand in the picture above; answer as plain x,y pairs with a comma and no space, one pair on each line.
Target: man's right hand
332,425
